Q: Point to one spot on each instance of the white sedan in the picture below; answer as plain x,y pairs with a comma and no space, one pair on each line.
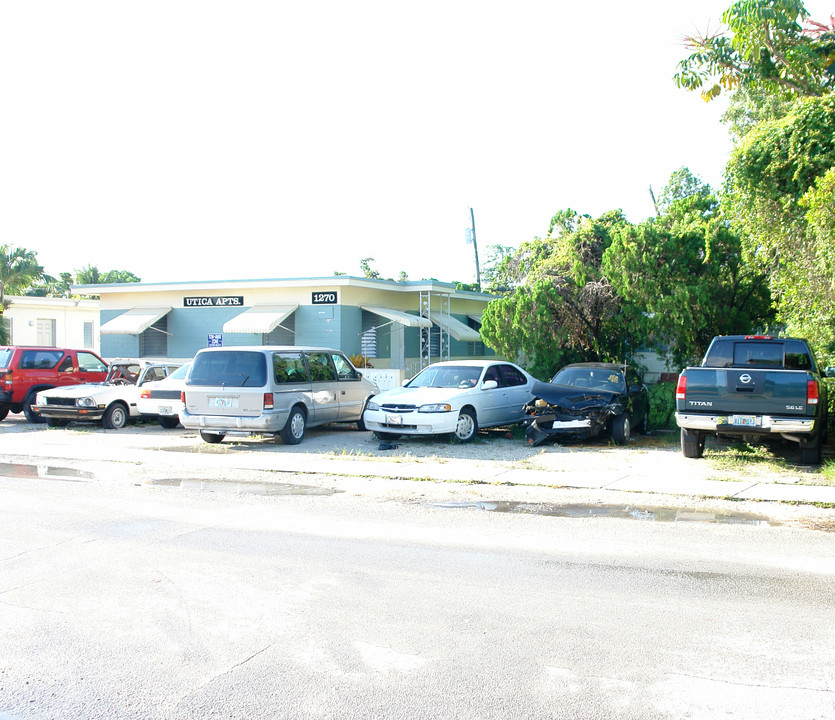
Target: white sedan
455,397
161,398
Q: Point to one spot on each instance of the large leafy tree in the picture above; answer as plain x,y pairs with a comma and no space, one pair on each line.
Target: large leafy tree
684,275
562,307
780,188
765,51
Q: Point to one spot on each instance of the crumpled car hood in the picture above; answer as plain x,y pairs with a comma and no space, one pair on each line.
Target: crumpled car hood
572,399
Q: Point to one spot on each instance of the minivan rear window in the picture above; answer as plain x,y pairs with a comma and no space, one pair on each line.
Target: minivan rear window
232,368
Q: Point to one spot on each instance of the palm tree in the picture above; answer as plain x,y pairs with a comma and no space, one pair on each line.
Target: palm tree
19,268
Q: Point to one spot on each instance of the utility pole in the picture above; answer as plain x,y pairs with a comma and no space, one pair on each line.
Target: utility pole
471,238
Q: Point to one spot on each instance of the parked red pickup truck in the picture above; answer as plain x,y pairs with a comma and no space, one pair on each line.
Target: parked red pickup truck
25,371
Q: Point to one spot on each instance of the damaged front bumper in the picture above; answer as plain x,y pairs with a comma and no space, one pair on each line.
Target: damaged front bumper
551,427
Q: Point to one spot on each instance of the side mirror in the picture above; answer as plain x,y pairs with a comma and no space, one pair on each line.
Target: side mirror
829,372
489,385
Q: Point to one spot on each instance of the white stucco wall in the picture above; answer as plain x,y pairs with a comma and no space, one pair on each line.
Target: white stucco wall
69,316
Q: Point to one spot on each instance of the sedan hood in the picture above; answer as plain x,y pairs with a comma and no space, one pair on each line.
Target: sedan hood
419,396
572,399
73,391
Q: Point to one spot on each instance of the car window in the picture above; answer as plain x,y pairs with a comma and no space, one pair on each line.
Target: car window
492,373
321,367
513,377
180,372
66,364
232,368
88,362
40,359
289,368
447,376
344,369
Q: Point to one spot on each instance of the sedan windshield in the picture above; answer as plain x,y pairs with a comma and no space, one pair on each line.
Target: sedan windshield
447,376
593,378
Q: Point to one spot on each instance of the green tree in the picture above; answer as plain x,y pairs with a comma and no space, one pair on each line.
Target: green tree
765,52
682,276
562,307
19,268
779,189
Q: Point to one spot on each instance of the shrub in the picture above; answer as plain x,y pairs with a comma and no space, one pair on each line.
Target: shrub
662,405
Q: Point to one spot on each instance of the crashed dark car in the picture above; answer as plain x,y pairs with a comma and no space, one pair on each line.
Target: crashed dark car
587,400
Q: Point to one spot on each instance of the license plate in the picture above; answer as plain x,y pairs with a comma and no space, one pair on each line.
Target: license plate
394,419
165,410
223,402
745,420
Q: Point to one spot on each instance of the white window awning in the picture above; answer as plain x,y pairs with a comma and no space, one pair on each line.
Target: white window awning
259,319
476,318
399,316
133,322
458,330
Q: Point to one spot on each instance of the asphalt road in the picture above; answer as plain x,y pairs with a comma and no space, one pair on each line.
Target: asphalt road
127,592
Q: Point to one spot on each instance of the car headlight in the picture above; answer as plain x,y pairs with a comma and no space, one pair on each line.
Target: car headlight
372,405
435,407
85,402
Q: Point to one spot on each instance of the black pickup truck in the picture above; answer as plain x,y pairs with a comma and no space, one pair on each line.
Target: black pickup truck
751,387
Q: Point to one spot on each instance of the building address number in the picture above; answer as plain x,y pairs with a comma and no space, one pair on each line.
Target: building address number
324,298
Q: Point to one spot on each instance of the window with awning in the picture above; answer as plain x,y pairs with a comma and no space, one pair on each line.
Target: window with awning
399,316
455,328
259,319
134,321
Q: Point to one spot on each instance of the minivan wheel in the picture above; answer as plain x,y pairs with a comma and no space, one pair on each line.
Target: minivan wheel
293,430
211,438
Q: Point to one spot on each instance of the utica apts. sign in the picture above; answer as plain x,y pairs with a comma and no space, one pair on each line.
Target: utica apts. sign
214,301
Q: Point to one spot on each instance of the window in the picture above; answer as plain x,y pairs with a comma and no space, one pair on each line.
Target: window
512,376
344,369
232,368
40,359
755,354
66,365
88,362
88,334
289,368
321,367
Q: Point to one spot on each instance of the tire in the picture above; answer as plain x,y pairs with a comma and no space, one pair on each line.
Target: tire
27,406
810,453
293,430
692,444
621,429
211,438
386,436
467,426
56,422
3,413
169,423
115,417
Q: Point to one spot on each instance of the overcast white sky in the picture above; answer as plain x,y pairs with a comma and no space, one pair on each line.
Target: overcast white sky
204,140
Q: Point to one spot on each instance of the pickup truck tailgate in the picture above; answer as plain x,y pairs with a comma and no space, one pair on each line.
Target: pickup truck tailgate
740,391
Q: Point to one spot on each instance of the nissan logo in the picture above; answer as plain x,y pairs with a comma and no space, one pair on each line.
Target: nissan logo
745,378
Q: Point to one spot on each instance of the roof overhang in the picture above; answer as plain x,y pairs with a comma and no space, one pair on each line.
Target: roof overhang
458,330
259,319
133,322
399,316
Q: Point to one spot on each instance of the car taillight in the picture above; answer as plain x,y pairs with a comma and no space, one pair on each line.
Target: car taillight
6,381
812,392
681,388
268,401
183,397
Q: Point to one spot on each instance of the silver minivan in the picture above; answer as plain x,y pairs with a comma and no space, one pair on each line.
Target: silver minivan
272,390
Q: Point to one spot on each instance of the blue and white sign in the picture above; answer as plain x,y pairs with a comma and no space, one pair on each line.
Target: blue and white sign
215,340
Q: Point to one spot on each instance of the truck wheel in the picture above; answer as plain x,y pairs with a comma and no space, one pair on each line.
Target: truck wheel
3,413
115,417
692,444
810,453
32,417
211,438
621,429
293,430
169,423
